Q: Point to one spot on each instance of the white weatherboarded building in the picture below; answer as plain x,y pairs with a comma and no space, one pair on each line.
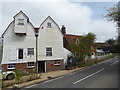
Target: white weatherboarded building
18,40
19,45
50,46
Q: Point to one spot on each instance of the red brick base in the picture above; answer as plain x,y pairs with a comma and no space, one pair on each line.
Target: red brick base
51,67
22,66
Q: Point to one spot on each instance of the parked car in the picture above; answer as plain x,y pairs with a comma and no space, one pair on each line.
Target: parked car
9,75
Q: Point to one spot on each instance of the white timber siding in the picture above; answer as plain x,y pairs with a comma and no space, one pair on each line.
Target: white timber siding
20,28
50,37
12,42
66,54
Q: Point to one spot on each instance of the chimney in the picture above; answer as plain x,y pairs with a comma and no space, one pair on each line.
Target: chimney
63,29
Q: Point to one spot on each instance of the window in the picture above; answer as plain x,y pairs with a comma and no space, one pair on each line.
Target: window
49,25
49,51
20,53
20,21
57,62
30,64
92,53
30,51
11,66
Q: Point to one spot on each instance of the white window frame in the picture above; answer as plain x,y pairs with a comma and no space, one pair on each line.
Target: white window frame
49,25
11,66
18,54
58,63
30,65
30,52
20,21
49,53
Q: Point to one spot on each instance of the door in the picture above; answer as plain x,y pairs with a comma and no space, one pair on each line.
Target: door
41,66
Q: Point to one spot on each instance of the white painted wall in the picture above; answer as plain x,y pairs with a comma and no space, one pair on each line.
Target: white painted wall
66,54
20,28
50,37
13,41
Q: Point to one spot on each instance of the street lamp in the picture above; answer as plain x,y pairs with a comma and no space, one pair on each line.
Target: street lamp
36,35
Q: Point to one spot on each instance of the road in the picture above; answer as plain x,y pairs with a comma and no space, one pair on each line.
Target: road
102,75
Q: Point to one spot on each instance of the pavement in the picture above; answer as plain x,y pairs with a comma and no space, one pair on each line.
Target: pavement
102,75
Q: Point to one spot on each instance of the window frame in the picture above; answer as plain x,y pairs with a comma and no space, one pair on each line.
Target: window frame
49,52
18,54
20,22
30,52
12,66
29,65
58,63
49,25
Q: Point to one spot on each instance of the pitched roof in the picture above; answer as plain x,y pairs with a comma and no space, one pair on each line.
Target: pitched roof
71,38
53,21
22,13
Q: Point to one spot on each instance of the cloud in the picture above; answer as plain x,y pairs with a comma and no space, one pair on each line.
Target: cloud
75,16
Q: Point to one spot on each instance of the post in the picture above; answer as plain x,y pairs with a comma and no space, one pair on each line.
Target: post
36,35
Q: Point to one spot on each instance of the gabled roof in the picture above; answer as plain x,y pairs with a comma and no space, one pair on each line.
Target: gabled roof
53,21
21,13
71,38
6,29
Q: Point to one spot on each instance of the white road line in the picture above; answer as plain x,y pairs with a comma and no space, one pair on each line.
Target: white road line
88,76
114,63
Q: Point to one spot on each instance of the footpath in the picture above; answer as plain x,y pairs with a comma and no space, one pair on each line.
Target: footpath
46,76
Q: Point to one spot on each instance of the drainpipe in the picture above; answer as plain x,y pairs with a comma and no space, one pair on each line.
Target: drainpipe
36,35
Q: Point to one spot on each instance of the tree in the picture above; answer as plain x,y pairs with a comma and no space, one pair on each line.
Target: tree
84,46
110,42
114,15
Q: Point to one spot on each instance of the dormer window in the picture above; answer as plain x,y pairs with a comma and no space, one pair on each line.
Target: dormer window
49,25
20,21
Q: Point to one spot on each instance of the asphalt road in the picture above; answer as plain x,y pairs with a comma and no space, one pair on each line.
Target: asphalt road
102,75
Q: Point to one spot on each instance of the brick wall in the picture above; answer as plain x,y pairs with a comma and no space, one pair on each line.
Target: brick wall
51,67
18,66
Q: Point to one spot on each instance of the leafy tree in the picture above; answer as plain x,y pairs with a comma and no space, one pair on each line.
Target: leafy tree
110,42
114,15
84,47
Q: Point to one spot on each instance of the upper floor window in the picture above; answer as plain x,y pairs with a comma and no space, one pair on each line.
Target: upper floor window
49,25
49,51
20,53
20,21
30,51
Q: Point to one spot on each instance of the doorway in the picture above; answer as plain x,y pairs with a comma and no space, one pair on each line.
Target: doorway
41,66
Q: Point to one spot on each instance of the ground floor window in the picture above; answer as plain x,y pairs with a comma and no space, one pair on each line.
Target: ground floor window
57,62
30,64
11,66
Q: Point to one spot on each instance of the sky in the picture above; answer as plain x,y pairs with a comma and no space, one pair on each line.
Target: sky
79,17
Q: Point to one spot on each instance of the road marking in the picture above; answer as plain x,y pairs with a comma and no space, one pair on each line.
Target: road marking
114,63
88,76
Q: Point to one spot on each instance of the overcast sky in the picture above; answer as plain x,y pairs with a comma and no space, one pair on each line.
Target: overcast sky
79,17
